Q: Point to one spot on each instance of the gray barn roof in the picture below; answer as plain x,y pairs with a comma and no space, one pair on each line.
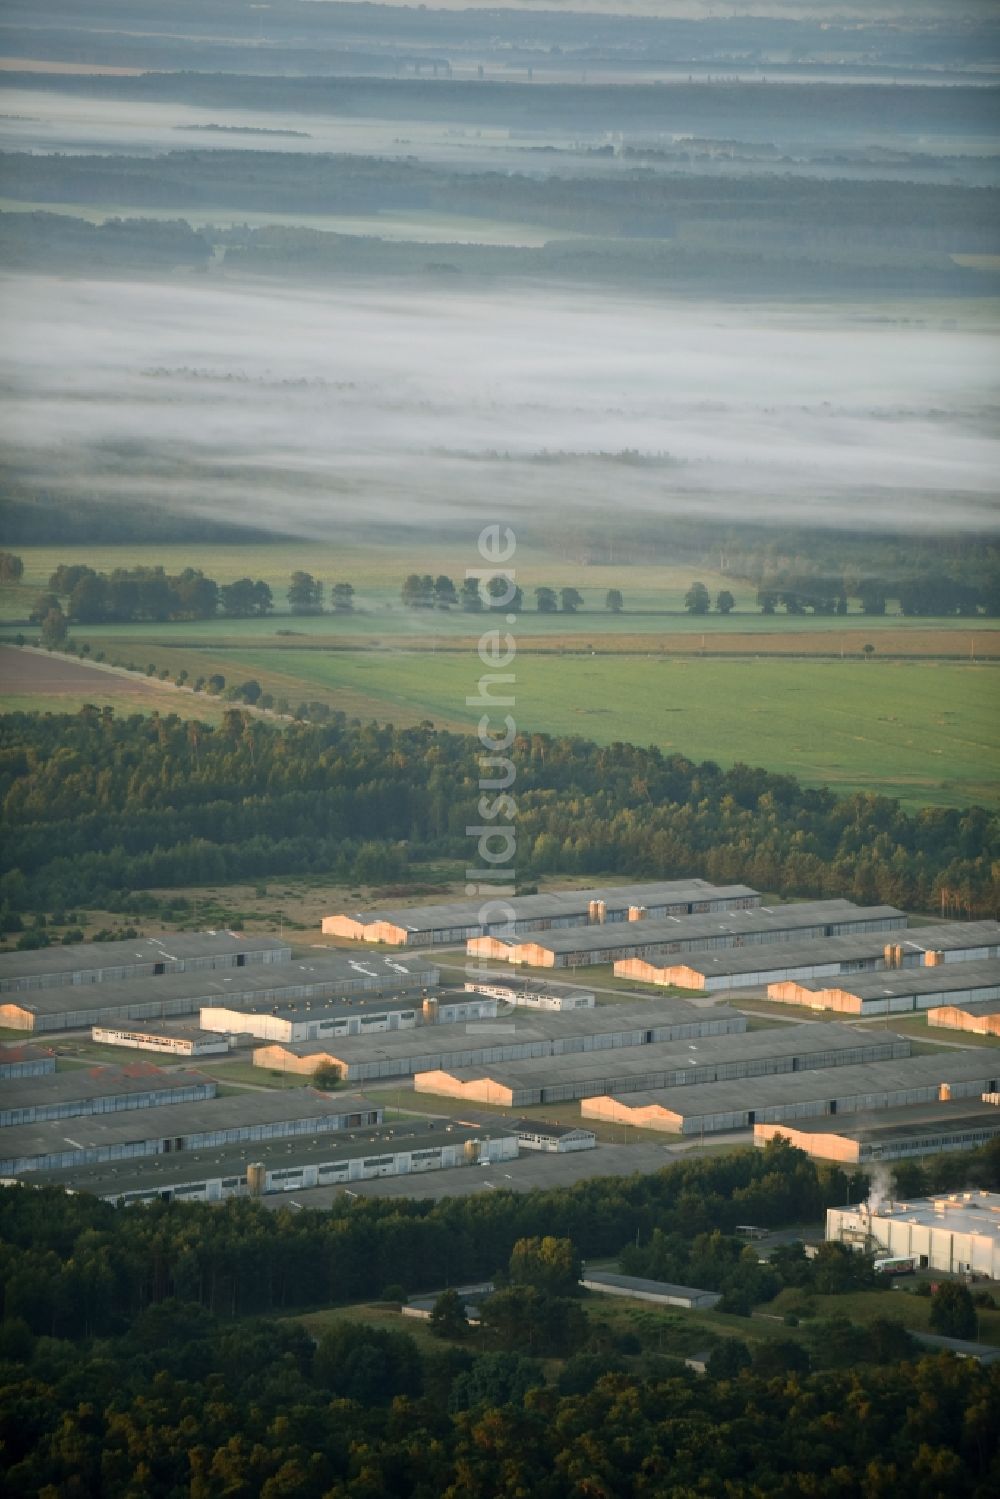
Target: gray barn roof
212,1162
855,947
84,957
808,1086
970,1006
911,1122
534,1026
549,904
943,979
237,988
640,1283
83,1084
810,1038
175,1121
671,929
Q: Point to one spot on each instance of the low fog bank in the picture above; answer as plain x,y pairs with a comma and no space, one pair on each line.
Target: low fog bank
300,410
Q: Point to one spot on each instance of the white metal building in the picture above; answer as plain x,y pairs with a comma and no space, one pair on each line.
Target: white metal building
186,1041
958,1235
363,1017
536,996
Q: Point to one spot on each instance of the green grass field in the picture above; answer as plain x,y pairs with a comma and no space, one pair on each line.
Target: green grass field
923,731
919,720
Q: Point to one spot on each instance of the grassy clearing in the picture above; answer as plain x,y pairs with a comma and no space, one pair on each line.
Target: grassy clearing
374,1314
922,731
864,1306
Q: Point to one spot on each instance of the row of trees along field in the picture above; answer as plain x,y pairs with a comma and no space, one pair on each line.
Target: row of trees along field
94,807
140,1353
83,596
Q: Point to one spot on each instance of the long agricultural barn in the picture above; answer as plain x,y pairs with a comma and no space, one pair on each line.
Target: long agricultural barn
924,1129
333,975
23,1060
427,926
623,944
981,1017
402,1053
143,957
243,1119
805,1095
335,1159
825,957
636,1288
360,1018
586,1075
895,993
100,1090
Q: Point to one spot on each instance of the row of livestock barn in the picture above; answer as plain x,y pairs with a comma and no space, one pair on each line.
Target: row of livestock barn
514,915
605,1029
628,945
735,968
116,983
776,1052
137,1134
874,1085
896,992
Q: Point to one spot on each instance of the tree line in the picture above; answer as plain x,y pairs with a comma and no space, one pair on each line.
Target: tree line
93,807
82,595
78,594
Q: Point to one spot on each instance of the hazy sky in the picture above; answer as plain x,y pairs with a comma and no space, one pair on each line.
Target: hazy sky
300,407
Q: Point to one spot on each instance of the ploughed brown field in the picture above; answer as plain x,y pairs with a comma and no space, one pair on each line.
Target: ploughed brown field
36,682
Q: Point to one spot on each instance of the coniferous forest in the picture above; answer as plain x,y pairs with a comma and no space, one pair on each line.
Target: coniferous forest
96,807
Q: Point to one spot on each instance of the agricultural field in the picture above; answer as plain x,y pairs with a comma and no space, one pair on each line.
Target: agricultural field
905,707
923,731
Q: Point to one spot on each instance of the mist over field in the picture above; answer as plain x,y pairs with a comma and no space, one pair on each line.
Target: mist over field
304,403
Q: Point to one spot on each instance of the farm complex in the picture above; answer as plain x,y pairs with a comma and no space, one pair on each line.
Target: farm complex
467,1051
